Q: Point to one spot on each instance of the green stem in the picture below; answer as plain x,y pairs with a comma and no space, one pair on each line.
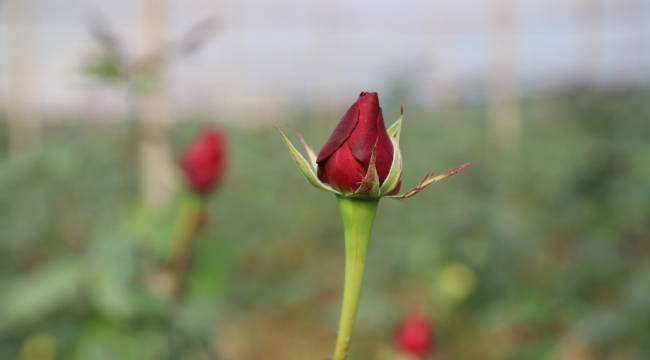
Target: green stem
188,227
358,216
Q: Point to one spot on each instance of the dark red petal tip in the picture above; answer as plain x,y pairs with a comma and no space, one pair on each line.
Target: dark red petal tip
341,133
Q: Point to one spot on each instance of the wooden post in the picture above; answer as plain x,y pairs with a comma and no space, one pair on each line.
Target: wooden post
22,127
154,113
504,113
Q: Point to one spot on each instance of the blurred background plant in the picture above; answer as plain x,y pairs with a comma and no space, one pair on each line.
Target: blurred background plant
539,251
144,80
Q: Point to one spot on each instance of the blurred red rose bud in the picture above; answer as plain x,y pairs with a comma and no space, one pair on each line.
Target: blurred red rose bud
414,336
344,160
204,161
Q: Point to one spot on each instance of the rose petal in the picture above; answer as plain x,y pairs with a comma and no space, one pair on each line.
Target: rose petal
341,133
383,163
384,139
384,150
343,172
364,136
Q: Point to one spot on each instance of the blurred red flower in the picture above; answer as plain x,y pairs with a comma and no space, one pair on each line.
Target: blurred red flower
414,336
204,161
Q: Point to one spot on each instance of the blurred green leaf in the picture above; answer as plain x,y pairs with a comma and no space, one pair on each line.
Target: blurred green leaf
154,230
112,269
50,288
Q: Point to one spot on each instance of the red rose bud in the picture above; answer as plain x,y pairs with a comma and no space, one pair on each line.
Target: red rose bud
361,158
204,161
414,336
345,158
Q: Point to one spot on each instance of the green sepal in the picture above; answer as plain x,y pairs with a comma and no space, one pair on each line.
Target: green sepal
310,152
394,130
370,183
304,167
428,180
396,168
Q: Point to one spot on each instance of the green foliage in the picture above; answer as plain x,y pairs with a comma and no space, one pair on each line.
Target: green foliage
532,254
79,263
106,67
109,68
